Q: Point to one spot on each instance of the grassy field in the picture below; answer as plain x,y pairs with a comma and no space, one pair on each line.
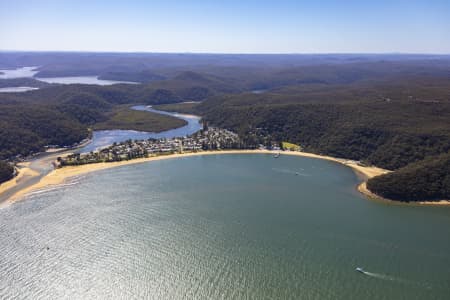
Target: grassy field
125,118
290,146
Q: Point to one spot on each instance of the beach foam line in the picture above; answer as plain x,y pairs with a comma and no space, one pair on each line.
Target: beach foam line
396,279
52,188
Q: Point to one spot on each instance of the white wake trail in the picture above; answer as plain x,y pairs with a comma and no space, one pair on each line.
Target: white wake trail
396,279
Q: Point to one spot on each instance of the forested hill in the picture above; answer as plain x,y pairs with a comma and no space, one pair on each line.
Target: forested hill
25,129
428,179
389,134
6,171
389,111
61,114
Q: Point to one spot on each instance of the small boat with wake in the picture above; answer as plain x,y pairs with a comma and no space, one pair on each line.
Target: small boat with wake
360,270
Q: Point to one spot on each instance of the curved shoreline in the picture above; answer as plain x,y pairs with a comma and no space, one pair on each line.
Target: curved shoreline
58,176
33,170
362,188
23,170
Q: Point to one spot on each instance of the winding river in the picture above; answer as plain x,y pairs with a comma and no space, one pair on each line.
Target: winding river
103,138
42,164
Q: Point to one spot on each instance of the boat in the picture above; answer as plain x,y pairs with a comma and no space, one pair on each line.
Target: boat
276,155
360,270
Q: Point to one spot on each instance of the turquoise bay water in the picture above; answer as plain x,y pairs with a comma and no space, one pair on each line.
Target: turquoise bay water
221,227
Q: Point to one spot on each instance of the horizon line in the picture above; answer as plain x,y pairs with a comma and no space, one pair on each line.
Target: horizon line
228,53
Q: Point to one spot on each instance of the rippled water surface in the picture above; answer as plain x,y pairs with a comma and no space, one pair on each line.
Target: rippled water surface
221,227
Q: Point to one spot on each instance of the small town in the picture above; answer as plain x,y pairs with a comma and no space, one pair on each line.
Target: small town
207,139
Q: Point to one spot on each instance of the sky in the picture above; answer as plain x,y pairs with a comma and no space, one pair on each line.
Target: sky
228,26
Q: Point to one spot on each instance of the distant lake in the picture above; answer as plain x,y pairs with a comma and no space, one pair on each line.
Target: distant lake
17,89
81,80
29,72
18,73
103,138
221,227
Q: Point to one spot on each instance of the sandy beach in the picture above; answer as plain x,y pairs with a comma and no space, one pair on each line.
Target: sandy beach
60,175
23,171
29,173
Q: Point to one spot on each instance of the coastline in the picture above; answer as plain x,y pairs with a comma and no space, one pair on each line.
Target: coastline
23,171
58,176
362,188
32,171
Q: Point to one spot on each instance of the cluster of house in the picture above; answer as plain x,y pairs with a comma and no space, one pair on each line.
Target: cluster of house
210,139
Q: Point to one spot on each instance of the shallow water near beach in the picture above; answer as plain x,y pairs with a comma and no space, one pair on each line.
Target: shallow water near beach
241,226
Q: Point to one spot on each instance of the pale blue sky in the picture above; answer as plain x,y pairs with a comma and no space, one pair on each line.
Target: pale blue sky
228,26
